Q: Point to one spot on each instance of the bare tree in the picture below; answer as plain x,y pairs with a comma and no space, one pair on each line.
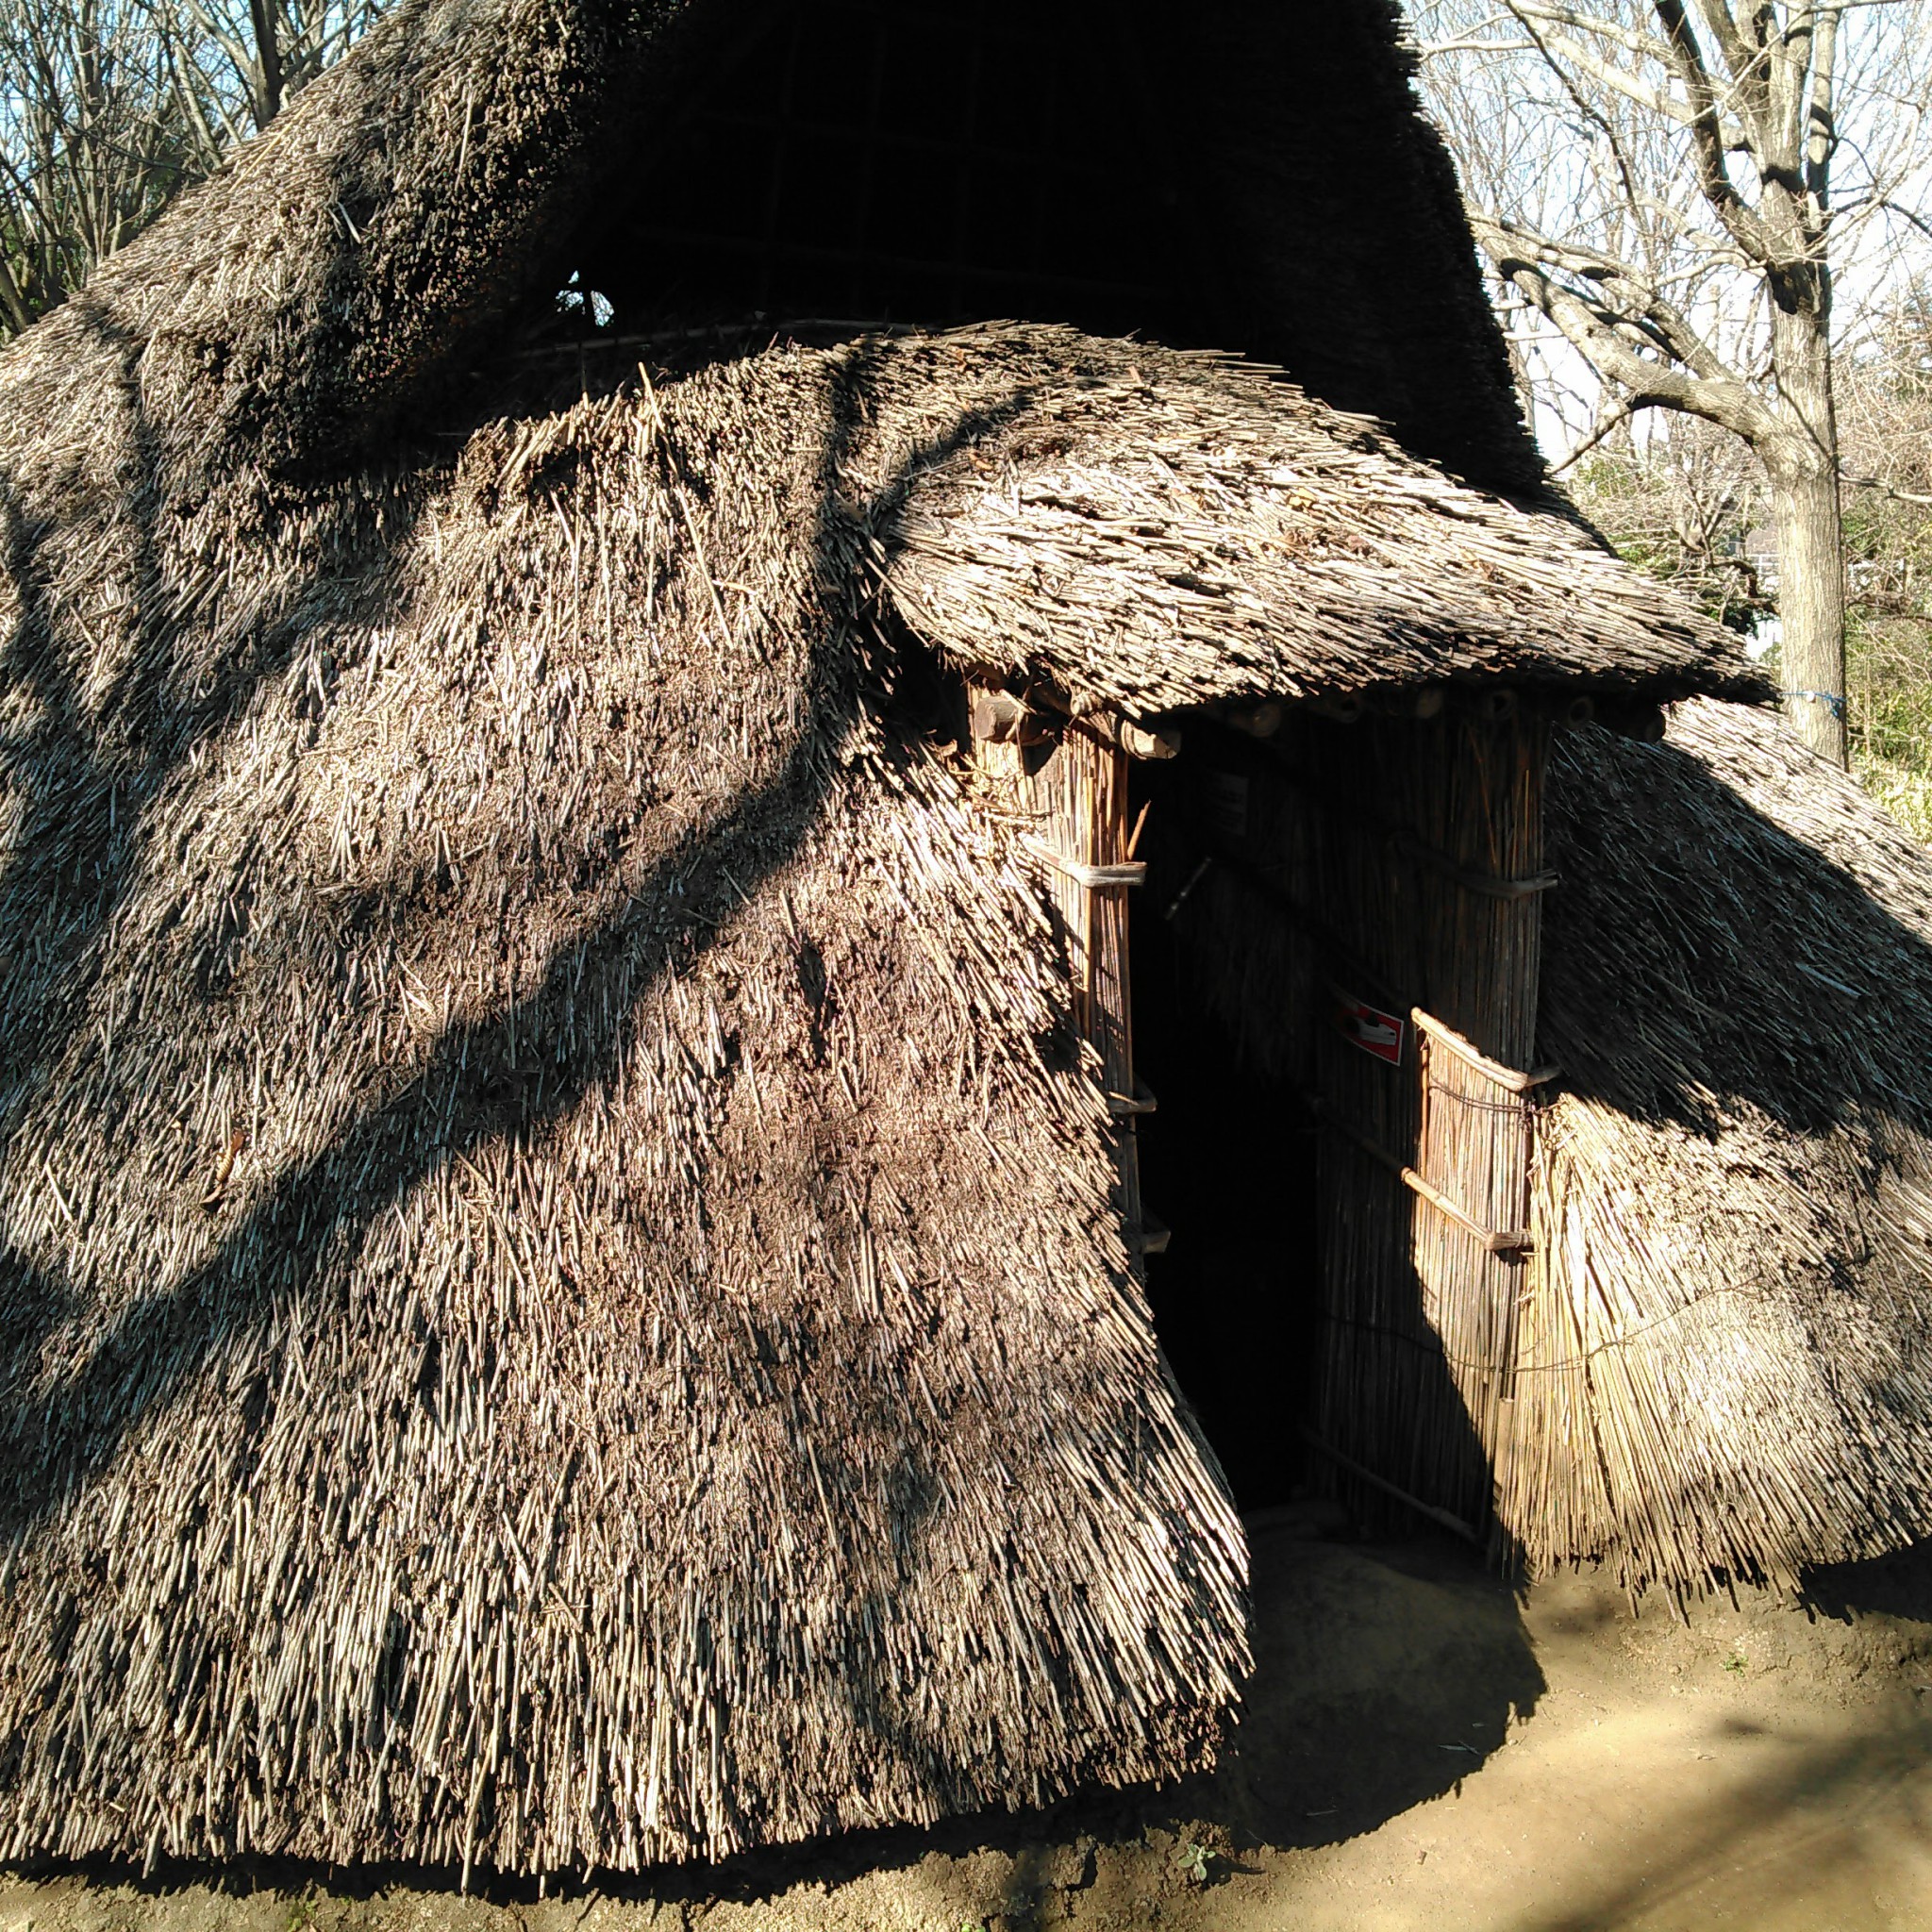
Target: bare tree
1885,389
1683,504
1671,186
240,59
109,106
90,149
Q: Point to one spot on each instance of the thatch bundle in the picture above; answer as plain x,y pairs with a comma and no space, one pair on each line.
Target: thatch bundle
1725,1362
318,293
1155,531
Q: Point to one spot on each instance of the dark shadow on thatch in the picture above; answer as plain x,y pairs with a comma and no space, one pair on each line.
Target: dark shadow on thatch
92,766
1677,962
476,1085
88,787
65,773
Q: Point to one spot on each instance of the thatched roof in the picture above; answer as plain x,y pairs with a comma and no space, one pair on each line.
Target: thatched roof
562,1302
1729,1333
546,1161
345,272
1156,532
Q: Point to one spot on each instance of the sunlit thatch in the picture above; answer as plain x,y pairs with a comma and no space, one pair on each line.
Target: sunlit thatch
1725,1363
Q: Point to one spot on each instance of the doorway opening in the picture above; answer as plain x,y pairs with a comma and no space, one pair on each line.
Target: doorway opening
1304,953
1228,1162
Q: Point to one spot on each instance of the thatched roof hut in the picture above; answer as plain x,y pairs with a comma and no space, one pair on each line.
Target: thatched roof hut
575,1285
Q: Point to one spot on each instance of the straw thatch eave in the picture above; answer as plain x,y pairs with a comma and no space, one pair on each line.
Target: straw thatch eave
1156,530
1727,1340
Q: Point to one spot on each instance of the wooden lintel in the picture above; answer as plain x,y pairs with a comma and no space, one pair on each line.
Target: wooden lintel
1514,1080
1149,742
1132,873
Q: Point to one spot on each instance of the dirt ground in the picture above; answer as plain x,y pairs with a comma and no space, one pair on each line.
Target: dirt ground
1424,1748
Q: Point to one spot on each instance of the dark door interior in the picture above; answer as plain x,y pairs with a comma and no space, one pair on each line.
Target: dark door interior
1227,1163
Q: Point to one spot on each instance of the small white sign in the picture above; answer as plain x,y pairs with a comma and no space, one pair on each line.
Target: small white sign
1225,796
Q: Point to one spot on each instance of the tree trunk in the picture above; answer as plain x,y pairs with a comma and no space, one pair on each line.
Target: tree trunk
1802,466
1810,597
269,102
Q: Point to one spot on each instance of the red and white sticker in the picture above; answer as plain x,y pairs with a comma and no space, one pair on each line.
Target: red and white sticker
1370,1028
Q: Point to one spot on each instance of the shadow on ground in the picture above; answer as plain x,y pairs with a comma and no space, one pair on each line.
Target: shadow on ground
1811,1837
1897,1586
1384,1676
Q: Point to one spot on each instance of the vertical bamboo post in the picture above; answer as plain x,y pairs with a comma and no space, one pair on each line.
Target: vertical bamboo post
1077,800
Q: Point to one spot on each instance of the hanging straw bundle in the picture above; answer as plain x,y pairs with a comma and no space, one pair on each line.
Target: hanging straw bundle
1725,1346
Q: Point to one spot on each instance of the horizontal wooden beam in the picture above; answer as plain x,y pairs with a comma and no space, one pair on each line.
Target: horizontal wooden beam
1511,1078
1508,1241
1132,873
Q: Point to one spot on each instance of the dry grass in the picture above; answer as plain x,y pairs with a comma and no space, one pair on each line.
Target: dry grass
1157,530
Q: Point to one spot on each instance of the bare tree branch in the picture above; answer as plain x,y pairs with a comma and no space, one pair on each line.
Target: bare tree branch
1617,418
1592,329
1665,210
108,106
